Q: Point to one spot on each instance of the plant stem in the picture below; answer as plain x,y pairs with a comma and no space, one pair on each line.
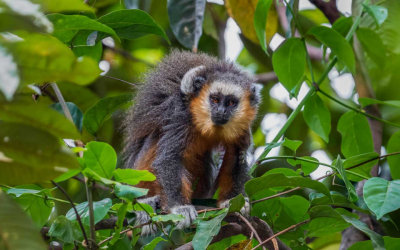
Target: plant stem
358,110
89,194
124,231
313,88
62,102
295,19
251,228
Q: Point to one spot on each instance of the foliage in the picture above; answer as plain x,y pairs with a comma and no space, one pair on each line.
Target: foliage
60,117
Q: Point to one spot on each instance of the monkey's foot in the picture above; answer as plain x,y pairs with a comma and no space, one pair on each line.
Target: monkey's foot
245,210
142,217
188,211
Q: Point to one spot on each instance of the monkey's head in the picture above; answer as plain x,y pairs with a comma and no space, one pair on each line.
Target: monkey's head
223,100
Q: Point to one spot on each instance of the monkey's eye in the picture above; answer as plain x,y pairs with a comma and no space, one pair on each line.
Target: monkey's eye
231,103
215,99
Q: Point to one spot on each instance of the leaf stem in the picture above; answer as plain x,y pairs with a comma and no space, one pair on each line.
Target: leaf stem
89,194
361,111
124,231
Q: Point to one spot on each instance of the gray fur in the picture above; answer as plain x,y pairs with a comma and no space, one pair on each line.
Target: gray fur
189,212
161,115
142,217
187,80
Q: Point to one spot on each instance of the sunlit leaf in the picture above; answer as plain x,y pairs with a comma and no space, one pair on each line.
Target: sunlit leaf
133,176
236,203
378,13
260,21
390,244
100,210
293,145
153,243
318,117
394,160
101,158
227,242
76,113
373,45
129,193
168,217
349,186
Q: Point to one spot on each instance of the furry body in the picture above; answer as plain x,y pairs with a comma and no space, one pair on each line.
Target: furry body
170,130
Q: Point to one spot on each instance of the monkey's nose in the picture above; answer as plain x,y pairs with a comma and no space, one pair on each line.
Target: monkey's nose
219,120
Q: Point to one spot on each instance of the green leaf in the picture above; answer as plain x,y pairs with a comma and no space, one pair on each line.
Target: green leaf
279,180
37,208
325,221
30,155
295,207
236,203
91,175
356,134
289,62
339,46
102,110
364,169
17,231
268,210
376,239
63,5
227,242
365,101
40,117
129,193
168,217
293,145
390,244
29,17
67,175
307,167
9,77
318,117
63,229
67,26
101,158
378,13
350,188
133,176
260,21
131,24
286,171
317,199
294,4
153,243
382,196
143,207
76,113
206,230
82,48
100,209
186,25
43,58
394,160
373,45
120,222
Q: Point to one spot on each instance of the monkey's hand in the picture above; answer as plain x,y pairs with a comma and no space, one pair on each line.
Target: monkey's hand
188,211
245,211
142,217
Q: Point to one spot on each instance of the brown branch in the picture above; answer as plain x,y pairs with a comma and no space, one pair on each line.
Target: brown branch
328,8
275,195
266,77
78,217
373,159
281,232
124,231
251,228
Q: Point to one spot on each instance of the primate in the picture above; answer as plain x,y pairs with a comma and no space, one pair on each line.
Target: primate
189,106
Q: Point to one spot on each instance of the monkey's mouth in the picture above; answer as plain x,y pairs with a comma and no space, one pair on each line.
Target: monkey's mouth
219,120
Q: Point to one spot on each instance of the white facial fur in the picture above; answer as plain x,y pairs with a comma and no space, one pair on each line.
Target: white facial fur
187,80
226,89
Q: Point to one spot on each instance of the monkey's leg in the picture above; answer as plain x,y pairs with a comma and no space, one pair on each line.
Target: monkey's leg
142,217
173,177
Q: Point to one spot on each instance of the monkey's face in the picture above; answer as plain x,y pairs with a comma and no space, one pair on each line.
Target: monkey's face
222,108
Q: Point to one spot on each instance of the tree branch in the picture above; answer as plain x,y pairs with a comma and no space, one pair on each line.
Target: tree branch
251,228
328,8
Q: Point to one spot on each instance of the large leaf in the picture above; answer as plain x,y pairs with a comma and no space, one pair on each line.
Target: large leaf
30,155
260,21
43,58
349,186
376,239
64,229
129,193
373,45
133,176
17,231
76,113
206,230
318,117
317,199
102,110
324,221
227,242
243,11
66,27
289,62
378,13
339,46
236,203
186,20
382,196
356,134
62,5
390,30
153,243
131,24
280,180
100,210
394,160
306,166
390,244
82,48
295,206
9,77
101,158
40,117
120,222
268,210
37,208
364,169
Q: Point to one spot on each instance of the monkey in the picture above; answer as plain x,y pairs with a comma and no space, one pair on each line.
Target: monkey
190,105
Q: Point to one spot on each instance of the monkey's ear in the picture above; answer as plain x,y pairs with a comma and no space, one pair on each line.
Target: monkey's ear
190,79
255,96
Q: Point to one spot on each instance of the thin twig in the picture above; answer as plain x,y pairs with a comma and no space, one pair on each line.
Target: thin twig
124,231
276,195
209,210
251,228
89,194
373,159
95,185
281,232
117,79
78,217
